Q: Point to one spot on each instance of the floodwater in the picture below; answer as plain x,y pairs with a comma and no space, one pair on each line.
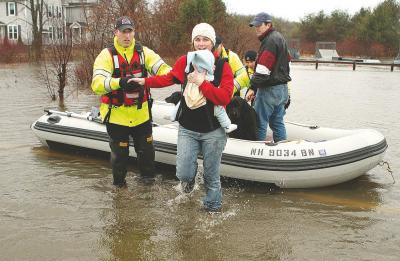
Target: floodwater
59,205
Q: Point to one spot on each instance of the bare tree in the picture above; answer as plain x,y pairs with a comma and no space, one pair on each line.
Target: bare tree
47,82
58,57
38,13
99,21
239,36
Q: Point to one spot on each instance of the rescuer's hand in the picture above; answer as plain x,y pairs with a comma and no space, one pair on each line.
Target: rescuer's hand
140,81
127,84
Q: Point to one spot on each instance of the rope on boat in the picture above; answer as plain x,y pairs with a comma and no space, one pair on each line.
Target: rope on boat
92,116
313,127
389,170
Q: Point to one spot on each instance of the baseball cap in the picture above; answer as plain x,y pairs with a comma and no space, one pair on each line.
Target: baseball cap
250,55
261,18
218,40
124,22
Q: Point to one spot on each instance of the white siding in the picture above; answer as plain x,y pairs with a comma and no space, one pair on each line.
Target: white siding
55,14
23,20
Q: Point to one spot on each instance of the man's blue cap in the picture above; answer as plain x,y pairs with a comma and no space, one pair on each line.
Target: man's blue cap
261,18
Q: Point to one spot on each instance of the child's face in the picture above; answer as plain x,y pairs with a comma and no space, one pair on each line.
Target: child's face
251,64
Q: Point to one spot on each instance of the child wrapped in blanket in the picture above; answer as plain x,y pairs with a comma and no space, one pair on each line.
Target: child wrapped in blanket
203,60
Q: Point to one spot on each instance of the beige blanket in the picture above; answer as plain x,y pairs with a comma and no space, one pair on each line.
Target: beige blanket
193,96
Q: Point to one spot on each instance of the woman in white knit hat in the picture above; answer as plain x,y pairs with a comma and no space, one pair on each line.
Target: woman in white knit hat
199,130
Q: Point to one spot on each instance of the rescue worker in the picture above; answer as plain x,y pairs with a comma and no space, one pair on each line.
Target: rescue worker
238,70
126,106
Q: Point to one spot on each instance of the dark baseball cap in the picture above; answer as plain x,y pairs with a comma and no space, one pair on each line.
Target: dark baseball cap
261,18
124,22
250,55
218,40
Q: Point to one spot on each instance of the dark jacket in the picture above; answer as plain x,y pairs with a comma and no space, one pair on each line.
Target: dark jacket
272,65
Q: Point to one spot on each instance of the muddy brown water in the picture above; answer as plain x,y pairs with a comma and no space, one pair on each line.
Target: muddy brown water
59,205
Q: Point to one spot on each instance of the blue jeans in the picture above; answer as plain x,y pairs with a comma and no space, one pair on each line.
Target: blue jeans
269,106
211,145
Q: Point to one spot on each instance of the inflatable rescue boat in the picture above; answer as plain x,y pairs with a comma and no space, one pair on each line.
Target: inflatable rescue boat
311,157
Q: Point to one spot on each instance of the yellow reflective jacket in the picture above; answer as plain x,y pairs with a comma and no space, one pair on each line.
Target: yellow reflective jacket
239,71
244,80
103,83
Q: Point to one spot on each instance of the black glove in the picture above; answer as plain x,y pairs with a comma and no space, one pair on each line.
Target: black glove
131,86
287,103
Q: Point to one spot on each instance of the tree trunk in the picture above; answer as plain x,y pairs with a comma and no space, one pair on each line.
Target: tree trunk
37,27
62,81
37,47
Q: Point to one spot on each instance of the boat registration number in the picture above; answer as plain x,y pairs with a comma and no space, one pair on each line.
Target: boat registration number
286,152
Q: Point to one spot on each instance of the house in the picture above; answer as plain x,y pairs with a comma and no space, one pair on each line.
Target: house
58,16
76,13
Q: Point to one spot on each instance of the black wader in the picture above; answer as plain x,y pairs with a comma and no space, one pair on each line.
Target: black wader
119,144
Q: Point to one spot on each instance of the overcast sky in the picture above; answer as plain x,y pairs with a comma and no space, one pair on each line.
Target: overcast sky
294,10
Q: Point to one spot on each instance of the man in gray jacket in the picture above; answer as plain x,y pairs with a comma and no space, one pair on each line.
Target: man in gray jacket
270,79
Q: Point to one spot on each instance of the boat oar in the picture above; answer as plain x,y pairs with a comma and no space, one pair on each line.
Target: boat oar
88,116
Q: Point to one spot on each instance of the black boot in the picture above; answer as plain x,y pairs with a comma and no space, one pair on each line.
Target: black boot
119,161
145,156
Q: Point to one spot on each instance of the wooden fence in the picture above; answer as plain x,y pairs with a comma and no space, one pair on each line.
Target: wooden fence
354,63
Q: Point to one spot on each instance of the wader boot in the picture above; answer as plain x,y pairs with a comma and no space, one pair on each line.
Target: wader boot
119,161
145,155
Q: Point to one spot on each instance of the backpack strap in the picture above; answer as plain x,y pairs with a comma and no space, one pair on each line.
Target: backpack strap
139,49
219,67
114,55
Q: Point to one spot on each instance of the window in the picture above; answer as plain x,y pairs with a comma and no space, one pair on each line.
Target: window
58,12
50,11
60,33
51,32
11,8
12,32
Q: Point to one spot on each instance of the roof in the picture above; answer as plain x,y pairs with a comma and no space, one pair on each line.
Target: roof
77,24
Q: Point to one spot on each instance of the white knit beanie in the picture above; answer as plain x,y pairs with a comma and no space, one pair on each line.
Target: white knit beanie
204,29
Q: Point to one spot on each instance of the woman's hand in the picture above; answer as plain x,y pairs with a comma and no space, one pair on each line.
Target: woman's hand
140,81
197,77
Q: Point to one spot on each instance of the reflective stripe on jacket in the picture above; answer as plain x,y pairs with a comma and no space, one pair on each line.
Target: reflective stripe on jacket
239,71
104,82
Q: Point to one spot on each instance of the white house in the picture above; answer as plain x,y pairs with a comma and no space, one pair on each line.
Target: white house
12,21
76,14
58,16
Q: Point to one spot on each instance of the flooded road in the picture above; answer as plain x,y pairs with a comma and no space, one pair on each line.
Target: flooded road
59,205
